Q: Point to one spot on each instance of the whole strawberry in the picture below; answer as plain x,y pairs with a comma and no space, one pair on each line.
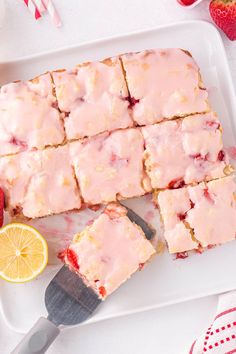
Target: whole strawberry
1,206
223,13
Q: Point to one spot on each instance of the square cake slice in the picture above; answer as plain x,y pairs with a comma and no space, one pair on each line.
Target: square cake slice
164,84
109,251
185,151
110,166
199,216
94,98
29,118
39,183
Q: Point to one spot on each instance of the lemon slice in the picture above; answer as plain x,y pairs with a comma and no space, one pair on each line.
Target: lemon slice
23,253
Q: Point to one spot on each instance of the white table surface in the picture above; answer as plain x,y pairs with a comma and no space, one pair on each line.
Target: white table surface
169,330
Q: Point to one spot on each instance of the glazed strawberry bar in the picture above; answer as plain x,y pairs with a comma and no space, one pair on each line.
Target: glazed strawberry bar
109,251
39,183
185,151
163,84
110,166
29,118
94,98
199,216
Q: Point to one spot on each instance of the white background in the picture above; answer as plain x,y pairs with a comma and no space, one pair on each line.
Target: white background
170,330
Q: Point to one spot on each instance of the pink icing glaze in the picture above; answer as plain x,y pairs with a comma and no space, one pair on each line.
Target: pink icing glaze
27,117
166,84
208,210
109,165
109,251
189,150
220,214
39,183
94,95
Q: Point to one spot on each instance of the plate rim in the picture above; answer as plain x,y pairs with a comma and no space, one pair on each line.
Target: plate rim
117,37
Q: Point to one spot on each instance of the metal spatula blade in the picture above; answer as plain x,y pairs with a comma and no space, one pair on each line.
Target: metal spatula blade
68,301
147,229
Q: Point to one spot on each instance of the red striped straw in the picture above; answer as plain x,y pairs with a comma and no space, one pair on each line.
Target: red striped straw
52,12
40,5
32,8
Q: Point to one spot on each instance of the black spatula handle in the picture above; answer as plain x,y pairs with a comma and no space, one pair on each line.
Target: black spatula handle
38,339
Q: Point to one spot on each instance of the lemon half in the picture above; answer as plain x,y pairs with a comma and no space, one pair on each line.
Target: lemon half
23,253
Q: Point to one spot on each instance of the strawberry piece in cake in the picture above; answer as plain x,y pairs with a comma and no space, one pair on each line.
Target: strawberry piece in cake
110,166
39,183
28,117
203,215
94,98
163,84
109,251
185,151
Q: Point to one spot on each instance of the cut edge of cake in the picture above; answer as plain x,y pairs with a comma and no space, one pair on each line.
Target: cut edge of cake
114,211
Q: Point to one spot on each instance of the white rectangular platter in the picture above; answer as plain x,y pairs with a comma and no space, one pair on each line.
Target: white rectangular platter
166,280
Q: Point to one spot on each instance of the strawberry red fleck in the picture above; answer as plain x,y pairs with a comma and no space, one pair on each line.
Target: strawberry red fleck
113,157
17,210
211,246
61,255
117,161
176,183
212,124
221,155
181,255
208,196
1,207
141,265
199,249
196,156
55,104
95,207
199,157
132,101
17,142
72,259
114,211
182,216
192,204
102,291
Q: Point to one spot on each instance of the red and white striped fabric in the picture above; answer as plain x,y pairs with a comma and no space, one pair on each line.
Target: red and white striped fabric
220,337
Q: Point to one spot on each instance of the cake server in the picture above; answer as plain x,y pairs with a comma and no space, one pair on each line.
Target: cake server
68,301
